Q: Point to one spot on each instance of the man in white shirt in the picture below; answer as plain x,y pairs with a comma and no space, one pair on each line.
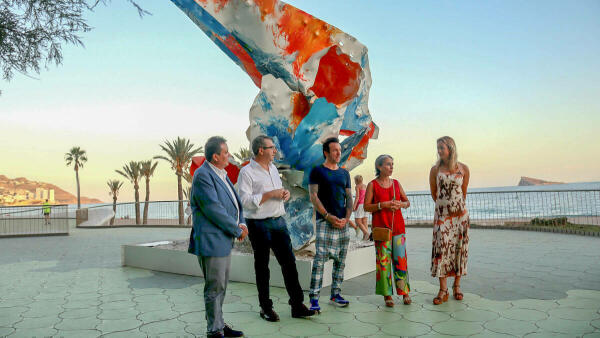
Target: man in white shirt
262,195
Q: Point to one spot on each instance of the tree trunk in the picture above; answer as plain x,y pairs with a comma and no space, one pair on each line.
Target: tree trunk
112,220
147,199
180,199
136,187
78,195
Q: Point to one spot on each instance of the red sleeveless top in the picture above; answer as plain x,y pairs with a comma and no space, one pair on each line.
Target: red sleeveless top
383,217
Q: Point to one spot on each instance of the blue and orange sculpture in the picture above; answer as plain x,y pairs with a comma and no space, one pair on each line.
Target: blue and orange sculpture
314,83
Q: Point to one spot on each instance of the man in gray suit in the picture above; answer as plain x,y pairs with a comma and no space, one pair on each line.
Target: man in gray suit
218,220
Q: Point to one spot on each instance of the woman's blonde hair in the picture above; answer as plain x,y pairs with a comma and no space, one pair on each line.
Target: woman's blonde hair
452,156
358,178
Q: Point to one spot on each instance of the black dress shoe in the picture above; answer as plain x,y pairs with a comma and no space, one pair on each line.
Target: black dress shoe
229,332
269,315
215,335
301,311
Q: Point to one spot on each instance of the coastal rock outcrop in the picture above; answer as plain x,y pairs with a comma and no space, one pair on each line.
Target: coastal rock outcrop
526,181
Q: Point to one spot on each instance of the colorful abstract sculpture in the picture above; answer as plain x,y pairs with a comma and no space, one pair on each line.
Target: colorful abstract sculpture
314,83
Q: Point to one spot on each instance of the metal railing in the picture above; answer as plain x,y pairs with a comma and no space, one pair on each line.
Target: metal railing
516,207
485,208
31,221
160,213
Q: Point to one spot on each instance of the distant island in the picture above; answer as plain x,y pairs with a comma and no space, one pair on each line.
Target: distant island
21,191
525,181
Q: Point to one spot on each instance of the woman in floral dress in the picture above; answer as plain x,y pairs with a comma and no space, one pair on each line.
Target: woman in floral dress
448,181
384,198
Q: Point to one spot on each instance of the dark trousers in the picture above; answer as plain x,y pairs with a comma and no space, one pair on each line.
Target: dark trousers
267,234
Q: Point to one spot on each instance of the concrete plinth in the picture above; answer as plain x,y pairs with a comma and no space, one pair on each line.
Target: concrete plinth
359,261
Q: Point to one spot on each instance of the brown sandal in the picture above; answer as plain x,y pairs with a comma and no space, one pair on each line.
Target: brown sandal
441,298
457,295
407,300
389,301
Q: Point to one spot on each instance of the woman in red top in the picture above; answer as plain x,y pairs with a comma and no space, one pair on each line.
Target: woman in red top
384,198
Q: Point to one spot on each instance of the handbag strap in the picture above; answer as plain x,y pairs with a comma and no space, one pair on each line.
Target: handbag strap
393,211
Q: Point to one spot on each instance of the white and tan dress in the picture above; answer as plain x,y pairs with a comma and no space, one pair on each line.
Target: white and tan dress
450,247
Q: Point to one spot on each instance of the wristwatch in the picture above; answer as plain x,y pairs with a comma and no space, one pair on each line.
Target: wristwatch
378,205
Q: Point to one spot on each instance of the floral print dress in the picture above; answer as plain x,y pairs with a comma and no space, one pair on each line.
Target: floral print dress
450,247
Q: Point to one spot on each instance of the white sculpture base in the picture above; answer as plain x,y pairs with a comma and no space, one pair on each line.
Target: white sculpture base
359,261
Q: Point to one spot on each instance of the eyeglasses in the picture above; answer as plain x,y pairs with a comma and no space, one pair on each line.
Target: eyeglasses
271,147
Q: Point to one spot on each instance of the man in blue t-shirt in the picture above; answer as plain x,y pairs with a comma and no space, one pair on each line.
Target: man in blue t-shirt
331,196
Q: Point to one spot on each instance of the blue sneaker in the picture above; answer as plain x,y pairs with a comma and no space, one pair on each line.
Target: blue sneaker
338,300
314,305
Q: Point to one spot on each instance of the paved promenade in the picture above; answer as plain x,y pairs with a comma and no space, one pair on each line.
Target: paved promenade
519,284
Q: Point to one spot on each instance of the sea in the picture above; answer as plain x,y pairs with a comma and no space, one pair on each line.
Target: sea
574,200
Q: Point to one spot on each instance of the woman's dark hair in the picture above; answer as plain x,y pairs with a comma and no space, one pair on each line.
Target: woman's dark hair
327,143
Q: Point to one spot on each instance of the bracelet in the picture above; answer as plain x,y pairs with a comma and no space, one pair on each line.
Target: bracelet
326,214
379,206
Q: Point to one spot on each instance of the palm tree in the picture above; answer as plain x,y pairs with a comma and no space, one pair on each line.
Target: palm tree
77,157
132,173
147,170
243,155
179,155
114,186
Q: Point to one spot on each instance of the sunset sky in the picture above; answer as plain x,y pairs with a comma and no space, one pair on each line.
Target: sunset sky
515,83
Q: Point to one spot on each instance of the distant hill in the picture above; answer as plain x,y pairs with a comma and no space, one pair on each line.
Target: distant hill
21,186
525,181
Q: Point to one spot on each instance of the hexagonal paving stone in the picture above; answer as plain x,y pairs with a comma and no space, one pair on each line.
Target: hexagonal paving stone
196,329
16,302
427,316
508,326
5,331
354,307
375,317
118,314
584,294
490,334
81,304
188,307
196,317
524,314
83,296
355,329
472,315
42,332
154,316
120,304
580,303
78,334
405,328
112,325
78,324
9,319
490,305
458,327
574,314
547,334
167,326
126,334
37,323
565,326
116,297
236,307
449,306
150,298
79,313
236,318
534,304
153,306
303,328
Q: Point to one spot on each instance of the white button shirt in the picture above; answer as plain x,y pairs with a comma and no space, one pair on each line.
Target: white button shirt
253,182
222,173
